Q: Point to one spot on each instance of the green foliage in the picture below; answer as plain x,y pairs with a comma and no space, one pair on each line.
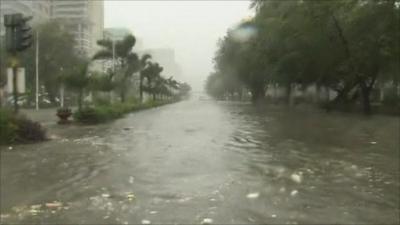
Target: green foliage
18,129
57,56
391,97
8,127
337,44
104,113
78,80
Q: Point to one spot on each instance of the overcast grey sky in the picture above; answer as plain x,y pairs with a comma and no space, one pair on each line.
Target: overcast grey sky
191,28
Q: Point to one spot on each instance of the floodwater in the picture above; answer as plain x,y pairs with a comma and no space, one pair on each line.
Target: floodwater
208,162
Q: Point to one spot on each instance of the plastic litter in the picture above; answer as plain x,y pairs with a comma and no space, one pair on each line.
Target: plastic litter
207,221
253,195
146,222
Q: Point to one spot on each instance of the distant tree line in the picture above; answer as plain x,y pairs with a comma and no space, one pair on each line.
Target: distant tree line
349,47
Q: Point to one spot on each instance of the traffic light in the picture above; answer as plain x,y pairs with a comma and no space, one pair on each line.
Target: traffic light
18,32
23,34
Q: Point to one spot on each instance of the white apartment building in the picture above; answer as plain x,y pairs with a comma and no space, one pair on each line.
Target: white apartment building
84,19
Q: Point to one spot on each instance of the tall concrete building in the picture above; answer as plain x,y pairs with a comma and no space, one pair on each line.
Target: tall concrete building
39,9
84,19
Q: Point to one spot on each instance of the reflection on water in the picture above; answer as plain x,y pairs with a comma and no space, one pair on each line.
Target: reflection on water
209,162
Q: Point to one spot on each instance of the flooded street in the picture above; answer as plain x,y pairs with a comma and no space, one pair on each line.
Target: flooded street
208,162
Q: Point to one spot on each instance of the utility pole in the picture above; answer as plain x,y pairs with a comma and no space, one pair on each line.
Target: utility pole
37,72
61,90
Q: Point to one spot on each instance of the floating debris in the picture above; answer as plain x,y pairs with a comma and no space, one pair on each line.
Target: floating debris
54,205
373,142
207,221
10,148
296,177
273,215
146,222
294,192
130,196
34,212
253,195
38,206
153,212
105,195
131,179
5,216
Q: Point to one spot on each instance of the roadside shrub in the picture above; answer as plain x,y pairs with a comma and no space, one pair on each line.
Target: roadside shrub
89,116
7,127
29,131
104,113
391,98
19,129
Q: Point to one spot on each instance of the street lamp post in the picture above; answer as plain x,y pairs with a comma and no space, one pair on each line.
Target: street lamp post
37,72
62,90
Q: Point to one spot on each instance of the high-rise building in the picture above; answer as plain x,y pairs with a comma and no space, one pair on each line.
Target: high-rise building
84,19
40,10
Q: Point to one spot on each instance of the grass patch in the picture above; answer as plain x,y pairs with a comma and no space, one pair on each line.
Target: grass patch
105,113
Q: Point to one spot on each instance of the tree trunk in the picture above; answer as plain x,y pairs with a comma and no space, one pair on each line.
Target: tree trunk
257,94
240,92
80,96
317,93
365,95
122,95
141,88
289,94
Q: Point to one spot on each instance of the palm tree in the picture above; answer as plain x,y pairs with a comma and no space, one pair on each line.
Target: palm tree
143,64
151,73
127,61
78,80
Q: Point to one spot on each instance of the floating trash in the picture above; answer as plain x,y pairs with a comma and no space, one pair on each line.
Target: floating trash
10,148
273,215
131,179
373,142
130,196
207,221
5,216
294,192
153,212
146,222
253,195
34,212
296,177
105,195
54,205
38,206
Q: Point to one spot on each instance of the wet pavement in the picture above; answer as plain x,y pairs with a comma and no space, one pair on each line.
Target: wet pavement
208,162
